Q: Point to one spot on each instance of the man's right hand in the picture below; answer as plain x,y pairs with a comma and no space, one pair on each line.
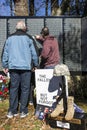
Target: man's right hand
5,70
37,36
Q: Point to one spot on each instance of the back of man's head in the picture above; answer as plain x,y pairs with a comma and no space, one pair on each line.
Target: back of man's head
21,25
45,31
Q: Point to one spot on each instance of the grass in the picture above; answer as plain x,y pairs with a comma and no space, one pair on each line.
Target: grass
82,104
28,123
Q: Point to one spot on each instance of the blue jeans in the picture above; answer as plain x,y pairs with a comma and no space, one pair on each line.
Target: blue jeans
19,78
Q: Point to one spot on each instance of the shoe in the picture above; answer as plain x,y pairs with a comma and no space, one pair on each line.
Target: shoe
30,103
22,115
10,114
16,114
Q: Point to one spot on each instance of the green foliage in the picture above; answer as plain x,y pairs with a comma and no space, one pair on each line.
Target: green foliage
78,86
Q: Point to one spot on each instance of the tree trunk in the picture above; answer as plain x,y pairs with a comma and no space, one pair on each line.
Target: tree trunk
77,7
56,10
46,11
21,7
31,7
54,3
65,7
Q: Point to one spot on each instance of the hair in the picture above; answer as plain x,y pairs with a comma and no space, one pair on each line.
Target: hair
21,25
45,31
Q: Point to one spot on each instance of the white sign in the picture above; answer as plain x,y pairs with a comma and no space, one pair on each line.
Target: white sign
63,125
43,96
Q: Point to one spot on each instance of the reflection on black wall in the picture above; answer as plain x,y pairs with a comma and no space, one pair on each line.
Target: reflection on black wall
70,32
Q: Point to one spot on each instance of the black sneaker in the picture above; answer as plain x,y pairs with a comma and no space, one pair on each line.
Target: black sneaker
22,115
10,114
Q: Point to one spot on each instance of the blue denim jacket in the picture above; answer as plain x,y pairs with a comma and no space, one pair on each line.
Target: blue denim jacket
19,52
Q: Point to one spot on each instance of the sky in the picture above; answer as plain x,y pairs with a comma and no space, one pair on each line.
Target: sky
5,9
40,8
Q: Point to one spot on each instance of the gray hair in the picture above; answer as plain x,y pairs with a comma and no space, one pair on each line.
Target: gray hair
21,25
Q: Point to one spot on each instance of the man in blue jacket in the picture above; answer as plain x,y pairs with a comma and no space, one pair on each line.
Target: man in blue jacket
18,55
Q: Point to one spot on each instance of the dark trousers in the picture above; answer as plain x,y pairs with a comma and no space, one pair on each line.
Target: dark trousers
31,96
19,78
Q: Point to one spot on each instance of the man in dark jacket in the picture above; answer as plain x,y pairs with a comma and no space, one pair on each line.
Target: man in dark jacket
18,54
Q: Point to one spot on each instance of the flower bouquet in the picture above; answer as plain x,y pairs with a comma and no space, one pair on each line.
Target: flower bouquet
4,87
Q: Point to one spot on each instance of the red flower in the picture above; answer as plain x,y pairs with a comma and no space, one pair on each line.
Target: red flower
1,93
4,81
1,77
5,89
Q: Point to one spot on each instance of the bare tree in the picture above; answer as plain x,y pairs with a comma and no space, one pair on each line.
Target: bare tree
58,7
65,7
46,11
77,7
21,7
54,7
31,7
85,8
